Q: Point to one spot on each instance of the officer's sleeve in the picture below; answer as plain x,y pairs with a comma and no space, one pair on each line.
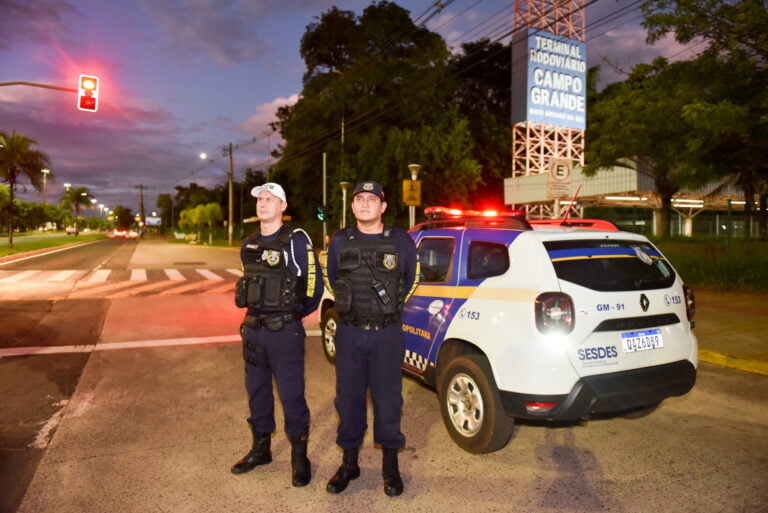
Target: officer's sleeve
331,260
309,267
410,260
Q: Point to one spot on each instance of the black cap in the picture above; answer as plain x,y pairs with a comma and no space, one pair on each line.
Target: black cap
369,186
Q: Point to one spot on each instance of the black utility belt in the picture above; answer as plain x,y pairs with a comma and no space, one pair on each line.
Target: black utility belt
370,323
273,322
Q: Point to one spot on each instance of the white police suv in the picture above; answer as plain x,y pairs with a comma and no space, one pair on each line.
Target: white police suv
555,324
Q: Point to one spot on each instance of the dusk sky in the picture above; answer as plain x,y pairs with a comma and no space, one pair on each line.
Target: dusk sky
183,77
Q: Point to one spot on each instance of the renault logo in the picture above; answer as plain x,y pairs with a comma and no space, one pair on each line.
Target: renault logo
644,302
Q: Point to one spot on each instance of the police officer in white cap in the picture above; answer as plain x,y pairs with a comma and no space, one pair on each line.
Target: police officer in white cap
282,283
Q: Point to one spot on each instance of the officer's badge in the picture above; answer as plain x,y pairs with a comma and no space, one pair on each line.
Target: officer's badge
271,257
390,261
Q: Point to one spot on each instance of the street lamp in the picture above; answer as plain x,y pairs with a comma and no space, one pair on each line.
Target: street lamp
344,186
414,168
45,176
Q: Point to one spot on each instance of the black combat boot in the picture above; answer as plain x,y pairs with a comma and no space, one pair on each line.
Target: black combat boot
259,454
393,485
301,470
348,471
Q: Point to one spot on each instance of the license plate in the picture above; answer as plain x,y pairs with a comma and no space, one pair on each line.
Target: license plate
634,341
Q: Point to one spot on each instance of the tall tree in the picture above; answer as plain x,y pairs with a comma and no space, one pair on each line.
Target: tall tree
75,198
641,123
19,159
483,93
375,85
732,124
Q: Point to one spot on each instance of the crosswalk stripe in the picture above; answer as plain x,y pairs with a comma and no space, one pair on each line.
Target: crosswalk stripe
209,275
61,275
100,275
138,275
20,276
236,272
174,274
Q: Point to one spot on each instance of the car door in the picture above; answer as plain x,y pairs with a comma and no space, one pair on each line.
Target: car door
426,314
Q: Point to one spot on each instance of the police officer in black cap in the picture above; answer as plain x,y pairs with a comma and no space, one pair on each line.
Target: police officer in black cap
372,269
282,283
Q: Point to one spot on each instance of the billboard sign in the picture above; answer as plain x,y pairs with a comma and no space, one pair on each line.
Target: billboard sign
549,80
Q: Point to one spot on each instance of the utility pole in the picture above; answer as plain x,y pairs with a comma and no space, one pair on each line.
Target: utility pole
142,218
231,210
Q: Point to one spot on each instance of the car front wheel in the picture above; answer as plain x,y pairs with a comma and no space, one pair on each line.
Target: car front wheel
328,325
471,406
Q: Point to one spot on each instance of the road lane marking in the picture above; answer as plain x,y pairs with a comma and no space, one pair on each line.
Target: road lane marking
19,276
43,437
209,275
61,275
135,344
100,275
138,275
174,274
236,272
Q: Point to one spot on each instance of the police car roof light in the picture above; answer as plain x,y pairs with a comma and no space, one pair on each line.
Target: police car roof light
437,212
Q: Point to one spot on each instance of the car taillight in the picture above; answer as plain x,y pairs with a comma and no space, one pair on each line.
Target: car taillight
690,303
554,313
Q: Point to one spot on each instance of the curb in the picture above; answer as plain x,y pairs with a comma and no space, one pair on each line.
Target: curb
733,362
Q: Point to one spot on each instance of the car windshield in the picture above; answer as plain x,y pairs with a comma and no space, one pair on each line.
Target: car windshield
610,265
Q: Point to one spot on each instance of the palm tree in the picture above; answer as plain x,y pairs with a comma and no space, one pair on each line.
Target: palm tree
74,198
19,159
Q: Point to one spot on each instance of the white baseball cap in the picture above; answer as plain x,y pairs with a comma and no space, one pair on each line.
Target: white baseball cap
272,188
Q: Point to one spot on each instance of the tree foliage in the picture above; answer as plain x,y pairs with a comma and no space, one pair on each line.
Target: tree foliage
20,159
730,118
377,96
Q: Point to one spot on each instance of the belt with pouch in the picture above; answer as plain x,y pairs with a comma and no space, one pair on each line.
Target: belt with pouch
273,322
370,323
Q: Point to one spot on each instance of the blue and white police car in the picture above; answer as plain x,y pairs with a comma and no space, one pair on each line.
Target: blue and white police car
553,324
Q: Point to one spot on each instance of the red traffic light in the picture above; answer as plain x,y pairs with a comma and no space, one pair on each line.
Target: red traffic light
88,93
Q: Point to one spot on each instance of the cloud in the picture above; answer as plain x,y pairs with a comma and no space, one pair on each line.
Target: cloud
625,46
24,22
228,31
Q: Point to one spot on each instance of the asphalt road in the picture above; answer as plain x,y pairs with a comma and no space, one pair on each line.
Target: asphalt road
151,414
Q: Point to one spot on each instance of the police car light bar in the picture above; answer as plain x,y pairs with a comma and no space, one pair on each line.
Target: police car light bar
445,212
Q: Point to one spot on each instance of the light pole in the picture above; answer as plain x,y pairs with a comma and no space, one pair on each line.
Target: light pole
344,186
414,168
45,176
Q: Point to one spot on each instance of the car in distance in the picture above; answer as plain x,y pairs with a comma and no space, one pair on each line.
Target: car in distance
553,324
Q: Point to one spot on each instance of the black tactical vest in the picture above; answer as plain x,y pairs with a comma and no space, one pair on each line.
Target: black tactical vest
269,284
370,279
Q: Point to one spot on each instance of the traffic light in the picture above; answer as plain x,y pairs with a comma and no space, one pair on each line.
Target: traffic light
322,213
88,93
